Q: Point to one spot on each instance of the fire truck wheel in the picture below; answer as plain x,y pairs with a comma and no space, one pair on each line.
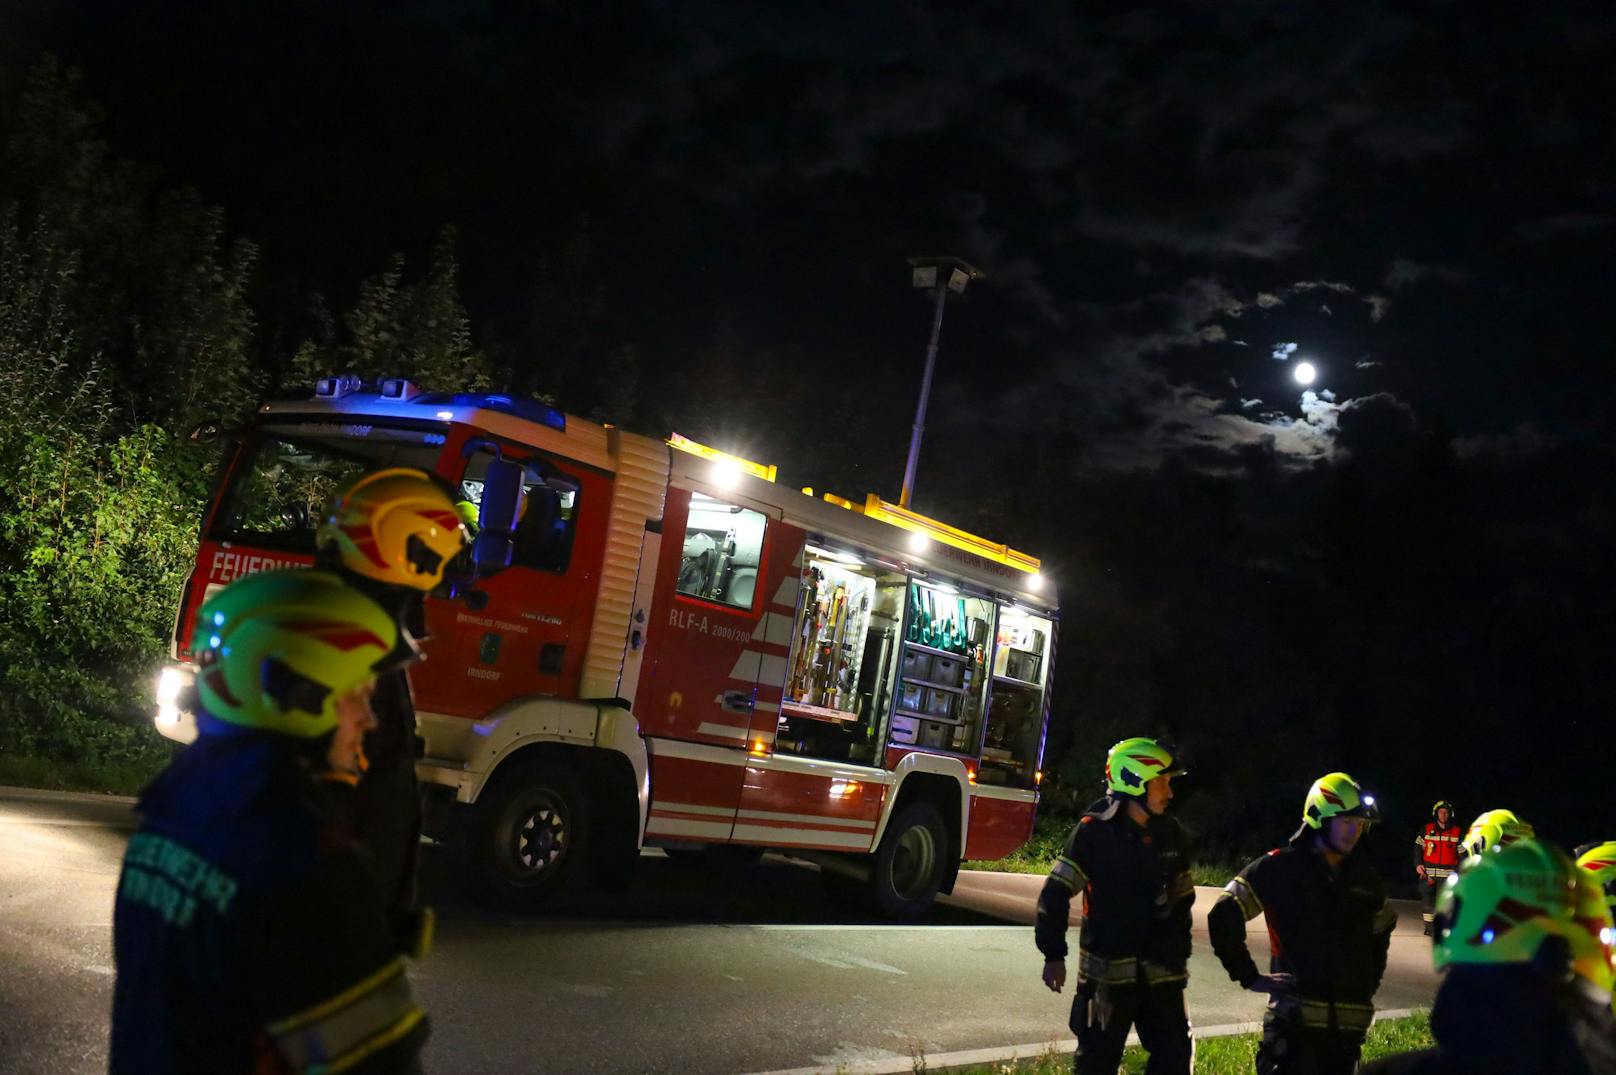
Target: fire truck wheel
528,834
908,865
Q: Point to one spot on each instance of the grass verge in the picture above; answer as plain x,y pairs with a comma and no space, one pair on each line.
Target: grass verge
1038,854
124,777
1234,1055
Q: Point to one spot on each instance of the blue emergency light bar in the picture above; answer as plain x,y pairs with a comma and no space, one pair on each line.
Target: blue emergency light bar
399,390
530,410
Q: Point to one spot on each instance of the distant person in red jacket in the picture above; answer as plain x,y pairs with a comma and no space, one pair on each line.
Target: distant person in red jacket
1436,856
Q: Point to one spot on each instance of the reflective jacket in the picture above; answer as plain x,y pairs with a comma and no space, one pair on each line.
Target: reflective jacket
1437,849
248,935
1329,930
1137,896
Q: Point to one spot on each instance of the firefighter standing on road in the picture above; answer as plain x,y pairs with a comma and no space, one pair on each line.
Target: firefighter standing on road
248,934
1329,926
1436,856
390,535
1130,862
1524,944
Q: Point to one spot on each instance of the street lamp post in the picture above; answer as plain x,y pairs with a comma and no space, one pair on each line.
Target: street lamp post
940,275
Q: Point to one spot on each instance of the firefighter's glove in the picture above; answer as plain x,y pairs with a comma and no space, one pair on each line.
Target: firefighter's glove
414,932
1275,985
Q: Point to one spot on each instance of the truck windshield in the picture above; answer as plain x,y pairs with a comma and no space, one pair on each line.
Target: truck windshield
278,495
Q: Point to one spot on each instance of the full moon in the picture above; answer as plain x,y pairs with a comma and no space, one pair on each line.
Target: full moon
1304,373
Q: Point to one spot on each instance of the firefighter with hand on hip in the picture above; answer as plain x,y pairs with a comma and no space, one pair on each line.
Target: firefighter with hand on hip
1436,856
1129,860
391,535
248,934
1524,944
1329,926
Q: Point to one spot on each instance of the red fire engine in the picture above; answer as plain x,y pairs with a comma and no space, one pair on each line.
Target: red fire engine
658,645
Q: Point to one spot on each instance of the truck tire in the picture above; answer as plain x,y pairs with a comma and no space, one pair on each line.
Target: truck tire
529,834
909,864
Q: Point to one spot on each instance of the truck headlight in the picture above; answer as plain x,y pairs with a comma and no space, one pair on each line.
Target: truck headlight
170,682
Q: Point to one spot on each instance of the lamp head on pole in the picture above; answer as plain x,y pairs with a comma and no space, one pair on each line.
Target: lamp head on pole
950,272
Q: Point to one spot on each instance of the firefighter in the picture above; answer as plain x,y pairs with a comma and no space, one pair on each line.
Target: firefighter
1130,862
1599,859
1526,971
390,535
1436,856
1492,828
247,932
1329,926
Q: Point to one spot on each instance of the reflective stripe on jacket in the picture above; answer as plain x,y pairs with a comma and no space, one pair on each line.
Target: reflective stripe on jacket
1329,931
1437,848
1137,895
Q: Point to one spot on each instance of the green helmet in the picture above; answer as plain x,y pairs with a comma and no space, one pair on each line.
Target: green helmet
275,650
1337,795
1599,860
1494,828
1133,763
1503,908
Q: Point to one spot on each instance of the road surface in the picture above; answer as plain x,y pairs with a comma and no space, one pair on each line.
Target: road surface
742,972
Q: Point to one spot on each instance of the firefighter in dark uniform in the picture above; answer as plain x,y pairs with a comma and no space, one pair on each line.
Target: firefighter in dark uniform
249,937
390,535
1130,861
1523,941
1436,856
1329,927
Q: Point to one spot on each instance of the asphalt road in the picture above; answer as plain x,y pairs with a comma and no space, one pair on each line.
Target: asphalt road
745,971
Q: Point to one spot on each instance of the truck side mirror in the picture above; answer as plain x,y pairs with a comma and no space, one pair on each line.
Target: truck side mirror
497,516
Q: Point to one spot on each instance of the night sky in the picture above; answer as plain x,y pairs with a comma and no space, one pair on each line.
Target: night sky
1174,206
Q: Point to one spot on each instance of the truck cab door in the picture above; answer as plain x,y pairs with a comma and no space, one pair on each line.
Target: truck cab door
698,694
526,634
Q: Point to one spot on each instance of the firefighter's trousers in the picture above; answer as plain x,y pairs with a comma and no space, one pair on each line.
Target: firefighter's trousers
387,808
1292,1047
1103,1012
1435,878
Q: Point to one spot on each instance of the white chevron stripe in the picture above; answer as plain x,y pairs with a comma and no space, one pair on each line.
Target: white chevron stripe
727,731
763,834
747,666
773,629
705,753
842,822
693,808
670,826
786,595
771,671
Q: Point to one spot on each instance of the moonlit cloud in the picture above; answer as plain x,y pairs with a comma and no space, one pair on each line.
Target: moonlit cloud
1283,351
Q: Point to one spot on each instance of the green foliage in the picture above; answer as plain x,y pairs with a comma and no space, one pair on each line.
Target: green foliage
1232,1055
124,320
417,330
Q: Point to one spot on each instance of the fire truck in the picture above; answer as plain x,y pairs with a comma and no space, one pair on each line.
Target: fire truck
653,643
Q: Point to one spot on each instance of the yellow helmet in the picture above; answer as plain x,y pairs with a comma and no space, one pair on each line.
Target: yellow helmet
1133,763
397,526
1493,829
1337,795
1599,860
1514,898
275,650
